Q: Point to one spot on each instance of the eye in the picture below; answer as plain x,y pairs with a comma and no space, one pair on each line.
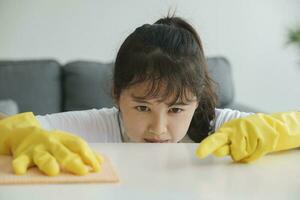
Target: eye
176,110
142,108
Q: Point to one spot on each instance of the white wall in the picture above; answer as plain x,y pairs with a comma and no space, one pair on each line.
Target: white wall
251,34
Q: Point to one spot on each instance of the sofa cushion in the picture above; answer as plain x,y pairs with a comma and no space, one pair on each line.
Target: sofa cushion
35,85
87,85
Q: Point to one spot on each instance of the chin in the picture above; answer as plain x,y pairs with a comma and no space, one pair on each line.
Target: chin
150,140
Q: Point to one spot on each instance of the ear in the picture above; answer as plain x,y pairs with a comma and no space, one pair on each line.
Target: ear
115,100
116,103
197,105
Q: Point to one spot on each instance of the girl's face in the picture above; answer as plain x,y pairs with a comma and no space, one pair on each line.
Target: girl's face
153,121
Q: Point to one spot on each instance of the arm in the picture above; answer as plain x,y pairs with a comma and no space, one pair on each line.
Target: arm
92,125
225,115
249,138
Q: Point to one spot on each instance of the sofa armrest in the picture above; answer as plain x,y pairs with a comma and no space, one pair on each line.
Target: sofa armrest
8,107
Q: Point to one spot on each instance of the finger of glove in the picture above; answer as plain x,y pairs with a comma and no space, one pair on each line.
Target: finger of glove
46,162
99,157
258,153
211,144
68,160
238,148
21,163
242,146
79,146
222,152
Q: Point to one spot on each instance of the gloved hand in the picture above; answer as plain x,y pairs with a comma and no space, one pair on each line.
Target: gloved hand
22,137
247,139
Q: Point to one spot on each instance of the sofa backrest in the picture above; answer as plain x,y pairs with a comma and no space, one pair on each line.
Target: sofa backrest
35,85
43,86
88,84
220,71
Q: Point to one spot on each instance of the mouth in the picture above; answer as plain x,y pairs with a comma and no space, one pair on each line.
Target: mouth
148,140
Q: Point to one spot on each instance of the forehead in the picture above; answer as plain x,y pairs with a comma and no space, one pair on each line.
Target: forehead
146,91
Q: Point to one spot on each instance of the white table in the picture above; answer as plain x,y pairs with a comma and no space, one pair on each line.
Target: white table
172,171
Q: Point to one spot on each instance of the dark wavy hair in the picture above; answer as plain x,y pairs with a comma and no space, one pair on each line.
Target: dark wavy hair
168,52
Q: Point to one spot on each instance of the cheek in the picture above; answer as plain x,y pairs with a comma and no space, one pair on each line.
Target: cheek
179,126
134,125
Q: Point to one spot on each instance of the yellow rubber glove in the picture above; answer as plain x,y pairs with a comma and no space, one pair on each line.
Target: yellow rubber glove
247,139
22,137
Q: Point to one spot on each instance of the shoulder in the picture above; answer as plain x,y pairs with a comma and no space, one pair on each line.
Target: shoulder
79,115
107,111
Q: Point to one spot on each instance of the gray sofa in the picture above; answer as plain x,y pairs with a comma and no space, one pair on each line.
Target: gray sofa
46,86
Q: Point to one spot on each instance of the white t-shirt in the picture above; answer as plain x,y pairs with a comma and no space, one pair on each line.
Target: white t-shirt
105,125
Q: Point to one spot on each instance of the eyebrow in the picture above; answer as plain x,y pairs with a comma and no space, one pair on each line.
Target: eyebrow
142,100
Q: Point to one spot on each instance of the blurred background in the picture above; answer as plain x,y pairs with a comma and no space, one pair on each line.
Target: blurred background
252,35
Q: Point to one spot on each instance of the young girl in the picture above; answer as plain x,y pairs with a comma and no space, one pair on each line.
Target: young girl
162,92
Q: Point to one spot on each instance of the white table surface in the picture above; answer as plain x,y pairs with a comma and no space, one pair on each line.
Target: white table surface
172,171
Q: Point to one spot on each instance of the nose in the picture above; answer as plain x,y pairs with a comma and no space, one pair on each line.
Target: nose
158,126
